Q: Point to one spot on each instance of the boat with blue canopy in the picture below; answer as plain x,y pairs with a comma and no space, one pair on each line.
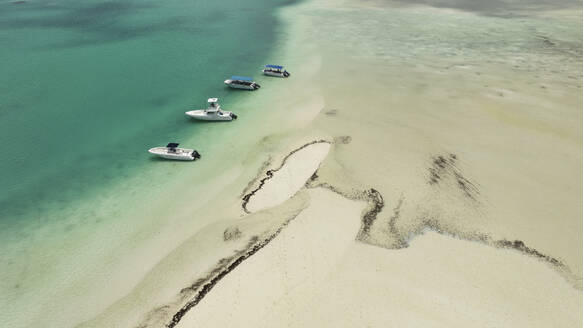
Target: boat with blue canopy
275,70
242,82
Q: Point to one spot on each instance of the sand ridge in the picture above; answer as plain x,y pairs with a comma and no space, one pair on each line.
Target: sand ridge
277,186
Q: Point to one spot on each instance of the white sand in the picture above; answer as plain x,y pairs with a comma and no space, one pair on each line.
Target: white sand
300,256
314,274
290,178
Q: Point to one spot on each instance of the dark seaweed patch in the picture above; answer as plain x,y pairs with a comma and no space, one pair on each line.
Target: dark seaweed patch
252,182
313,178
343,139
203,286
376,206
434,224
400,241
231,233
546,41
521,247
372,196
443,167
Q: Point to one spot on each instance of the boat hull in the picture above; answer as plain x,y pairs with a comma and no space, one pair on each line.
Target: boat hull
180,155
176,158
203,115
251,87
276,74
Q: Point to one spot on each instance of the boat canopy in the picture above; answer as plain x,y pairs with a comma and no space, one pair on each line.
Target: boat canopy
172,145
241,78
213,100
274,66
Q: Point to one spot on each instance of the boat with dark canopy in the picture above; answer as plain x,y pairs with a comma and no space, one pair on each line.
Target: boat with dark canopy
242,82
275,70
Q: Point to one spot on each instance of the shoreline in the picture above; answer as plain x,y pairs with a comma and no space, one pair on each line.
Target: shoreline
127,229
134,307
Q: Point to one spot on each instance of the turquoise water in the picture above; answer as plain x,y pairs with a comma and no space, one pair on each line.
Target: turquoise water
86,87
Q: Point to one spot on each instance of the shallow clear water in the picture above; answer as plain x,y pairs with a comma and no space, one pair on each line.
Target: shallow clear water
86,88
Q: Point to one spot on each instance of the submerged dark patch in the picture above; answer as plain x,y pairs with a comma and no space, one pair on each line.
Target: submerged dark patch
86,17
546,41
344,139
97,23
231,233
445,167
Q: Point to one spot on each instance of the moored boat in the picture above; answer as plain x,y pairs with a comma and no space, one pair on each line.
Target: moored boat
212,113
171,151
275,70
242,82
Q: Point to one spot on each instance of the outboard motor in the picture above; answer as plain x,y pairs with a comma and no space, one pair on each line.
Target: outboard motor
233,116
195,155
285,74
256,86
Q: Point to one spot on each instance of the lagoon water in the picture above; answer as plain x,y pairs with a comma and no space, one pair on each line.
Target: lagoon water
86,88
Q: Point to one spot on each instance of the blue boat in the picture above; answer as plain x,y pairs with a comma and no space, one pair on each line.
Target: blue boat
242,82
275,70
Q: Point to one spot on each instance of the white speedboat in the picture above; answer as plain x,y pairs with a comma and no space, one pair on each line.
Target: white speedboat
242,82
171,151
212,113
275,70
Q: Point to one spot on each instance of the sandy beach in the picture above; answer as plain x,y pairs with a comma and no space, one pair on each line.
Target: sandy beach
419,175
315,274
